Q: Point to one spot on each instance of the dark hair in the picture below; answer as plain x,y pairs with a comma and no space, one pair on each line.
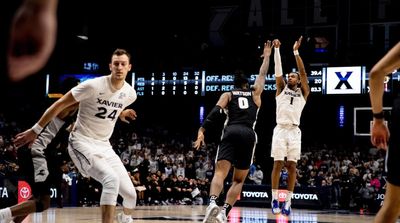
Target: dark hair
295,72
120,52
298,77
240,79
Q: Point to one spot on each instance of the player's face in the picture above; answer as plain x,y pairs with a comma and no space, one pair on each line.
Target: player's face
293,79
120,66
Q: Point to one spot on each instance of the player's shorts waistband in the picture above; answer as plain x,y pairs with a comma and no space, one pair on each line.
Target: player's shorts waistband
288,125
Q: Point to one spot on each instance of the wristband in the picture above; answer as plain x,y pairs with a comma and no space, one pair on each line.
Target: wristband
37,129
295,52
379,115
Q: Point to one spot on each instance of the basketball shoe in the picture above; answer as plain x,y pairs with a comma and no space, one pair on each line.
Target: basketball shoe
275,207
221,217
4,216
286,209
121,219
211,213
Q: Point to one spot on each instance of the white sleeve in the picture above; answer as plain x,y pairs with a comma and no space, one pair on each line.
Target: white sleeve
278,63
48,133
83,90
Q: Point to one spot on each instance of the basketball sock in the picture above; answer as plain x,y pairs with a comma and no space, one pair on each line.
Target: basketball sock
213,199
274,194
288,199
227,208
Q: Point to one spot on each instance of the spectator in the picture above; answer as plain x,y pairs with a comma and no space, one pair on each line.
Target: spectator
258,176
139,186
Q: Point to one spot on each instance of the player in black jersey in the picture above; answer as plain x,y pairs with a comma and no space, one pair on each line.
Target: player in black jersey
380,133
44,163
239,138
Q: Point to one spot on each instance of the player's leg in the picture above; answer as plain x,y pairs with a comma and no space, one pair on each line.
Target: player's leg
244,147
126,189
103,173
222,168
278,153
294,152
390,211
89,156
239,176
36,175
22,210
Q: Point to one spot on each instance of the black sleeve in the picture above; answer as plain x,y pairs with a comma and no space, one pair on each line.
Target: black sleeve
216,115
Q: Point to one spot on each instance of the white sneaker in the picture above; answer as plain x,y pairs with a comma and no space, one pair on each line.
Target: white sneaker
121,220
6,220
3,218
211,213
221,217
286,209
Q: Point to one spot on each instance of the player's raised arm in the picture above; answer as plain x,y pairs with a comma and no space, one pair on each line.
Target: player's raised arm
300,67
280,82
28,136
260,80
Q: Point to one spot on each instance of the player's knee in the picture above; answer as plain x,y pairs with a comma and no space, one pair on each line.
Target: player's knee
278,164
291,166
41,205
109,193
132,195
128,194
110,184
238,179
130,199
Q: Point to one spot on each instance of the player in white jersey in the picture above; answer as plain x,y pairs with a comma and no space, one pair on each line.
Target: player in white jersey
101,101
286,140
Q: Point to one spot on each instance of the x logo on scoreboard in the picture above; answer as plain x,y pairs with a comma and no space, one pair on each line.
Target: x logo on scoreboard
343,80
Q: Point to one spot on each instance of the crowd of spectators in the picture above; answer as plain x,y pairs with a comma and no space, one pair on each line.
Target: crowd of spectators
165,169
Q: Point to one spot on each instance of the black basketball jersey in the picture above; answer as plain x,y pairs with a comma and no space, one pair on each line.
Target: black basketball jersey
241,108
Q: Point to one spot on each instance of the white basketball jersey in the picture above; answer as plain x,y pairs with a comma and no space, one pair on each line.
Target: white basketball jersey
289,105
100,107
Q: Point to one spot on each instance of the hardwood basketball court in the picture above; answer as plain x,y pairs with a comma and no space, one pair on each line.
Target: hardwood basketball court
195,213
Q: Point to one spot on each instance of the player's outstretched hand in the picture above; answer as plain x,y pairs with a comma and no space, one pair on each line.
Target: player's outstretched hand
128,113
32,38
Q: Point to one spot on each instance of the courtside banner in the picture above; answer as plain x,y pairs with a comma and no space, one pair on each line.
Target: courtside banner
24,191
260,196
13,191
